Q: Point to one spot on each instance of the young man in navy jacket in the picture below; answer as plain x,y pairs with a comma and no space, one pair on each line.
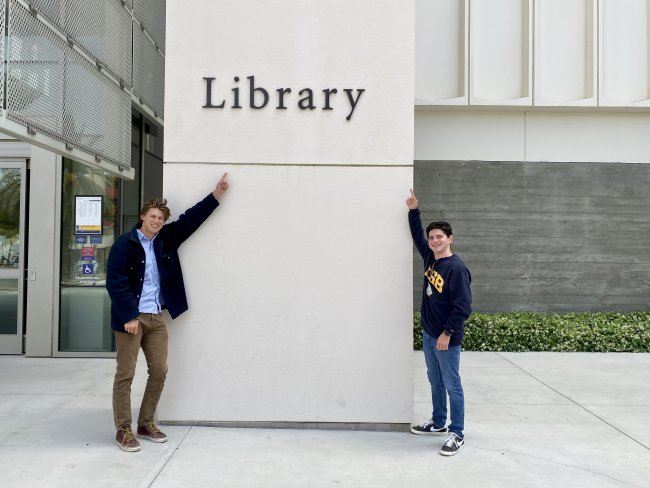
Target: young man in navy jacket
446,305
144,276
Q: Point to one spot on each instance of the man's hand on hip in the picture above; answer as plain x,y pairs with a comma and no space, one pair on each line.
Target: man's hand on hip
132,326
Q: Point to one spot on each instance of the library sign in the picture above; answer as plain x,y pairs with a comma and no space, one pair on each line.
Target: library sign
257,97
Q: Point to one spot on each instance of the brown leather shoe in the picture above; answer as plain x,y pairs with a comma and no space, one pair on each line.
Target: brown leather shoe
151,432
126,440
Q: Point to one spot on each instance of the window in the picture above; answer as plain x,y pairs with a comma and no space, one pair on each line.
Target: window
85,306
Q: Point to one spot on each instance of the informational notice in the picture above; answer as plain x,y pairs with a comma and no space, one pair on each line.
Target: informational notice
88,214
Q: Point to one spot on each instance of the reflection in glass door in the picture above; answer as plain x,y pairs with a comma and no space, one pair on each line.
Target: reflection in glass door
12,189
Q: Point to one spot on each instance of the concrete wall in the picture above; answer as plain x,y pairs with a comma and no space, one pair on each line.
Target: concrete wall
300,285
550,209
544,236
526,111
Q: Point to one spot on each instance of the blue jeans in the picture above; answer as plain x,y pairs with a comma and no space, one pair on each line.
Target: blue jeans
443,370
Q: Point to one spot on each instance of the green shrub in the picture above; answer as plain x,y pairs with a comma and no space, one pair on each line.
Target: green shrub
529,331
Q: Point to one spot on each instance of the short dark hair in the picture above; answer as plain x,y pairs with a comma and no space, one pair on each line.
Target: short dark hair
443,226
160,204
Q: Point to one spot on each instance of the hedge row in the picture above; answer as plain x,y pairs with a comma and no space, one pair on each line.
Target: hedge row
528,331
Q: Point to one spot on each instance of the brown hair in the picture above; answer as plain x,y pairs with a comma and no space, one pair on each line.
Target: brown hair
160,204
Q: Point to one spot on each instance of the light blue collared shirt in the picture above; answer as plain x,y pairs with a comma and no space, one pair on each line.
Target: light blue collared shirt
150,300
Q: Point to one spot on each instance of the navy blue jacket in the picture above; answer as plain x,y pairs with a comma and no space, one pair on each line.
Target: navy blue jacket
125,268
449,304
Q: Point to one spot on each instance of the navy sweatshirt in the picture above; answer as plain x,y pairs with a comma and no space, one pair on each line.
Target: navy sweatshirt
446,293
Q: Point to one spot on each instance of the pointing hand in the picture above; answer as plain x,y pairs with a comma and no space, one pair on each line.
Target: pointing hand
412,202
221,187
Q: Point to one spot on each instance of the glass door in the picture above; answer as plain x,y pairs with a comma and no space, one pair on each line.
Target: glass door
12,213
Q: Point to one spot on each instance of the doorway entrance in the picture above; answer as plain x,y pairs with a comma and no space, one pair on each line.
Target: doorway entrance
12,218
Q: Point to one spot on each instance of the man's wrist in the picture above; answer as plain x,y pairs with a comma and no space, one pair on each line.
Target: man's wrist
447,333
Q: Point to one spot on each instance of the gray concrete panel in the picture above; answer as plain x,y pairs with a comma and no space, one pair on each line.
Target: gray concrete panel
540,236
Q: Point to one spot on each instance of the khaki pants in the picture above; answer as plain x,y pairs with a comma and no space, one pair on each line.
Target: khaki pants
152,337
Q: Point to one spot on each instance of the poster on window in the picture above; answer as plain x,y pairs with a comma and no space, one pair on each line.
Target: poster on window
88,214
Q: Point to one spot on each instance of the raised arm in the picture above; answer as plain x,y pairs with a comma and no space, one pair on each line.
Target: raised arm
415,225
190,220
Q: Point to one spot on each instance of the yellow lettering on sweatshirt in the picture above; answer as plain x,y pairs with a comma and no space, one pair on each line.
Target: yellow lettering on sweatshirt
435,279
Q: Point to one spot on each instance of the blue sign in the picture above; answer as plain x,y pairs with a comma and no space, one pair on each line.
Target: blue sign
80,239
87,258
88,269
95,239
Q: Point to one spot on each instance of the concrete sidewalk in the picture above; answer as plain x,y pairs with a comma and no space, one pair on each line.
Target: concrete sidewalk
533,419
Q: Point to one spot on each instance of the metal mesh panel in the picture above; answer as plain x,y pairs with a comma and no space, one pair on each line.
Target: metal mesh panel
2,49
34,74
55,90
102,28
52,10
151,14
148,72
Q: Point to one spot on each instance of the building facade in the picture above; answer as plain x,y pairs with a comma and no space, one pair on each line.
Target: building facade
531,137
531,123
81,146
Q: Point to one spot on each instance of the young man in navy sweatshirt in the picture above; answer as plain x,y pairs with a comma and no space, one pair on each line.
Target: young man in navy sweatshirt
446,305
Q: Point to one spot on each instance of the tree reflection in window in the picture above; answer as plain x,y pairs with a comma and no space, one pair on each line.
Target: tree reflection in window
9,217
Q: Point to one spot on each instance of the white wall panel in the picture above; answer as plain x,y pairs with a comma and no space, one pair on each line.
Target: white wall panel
300,297
300,285
441,35
565,52
310,44
548,53
487,136
588,137
532,136
500,52
624,52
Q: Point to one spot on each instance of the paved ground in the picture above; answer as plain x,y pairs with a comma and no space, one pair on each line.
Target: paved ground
533,419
